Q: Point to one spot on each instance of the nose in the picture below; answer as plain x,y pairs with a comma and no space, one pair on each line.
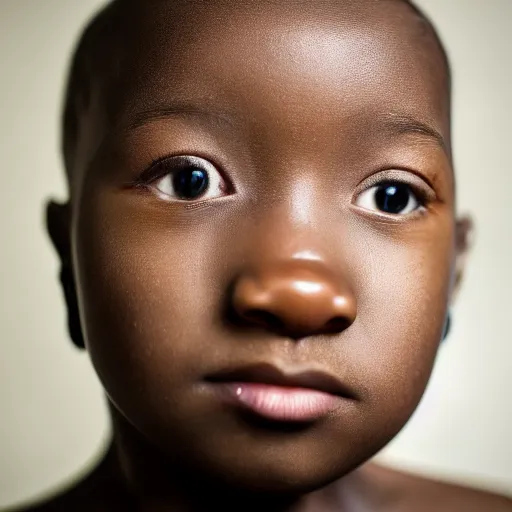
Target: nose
297,298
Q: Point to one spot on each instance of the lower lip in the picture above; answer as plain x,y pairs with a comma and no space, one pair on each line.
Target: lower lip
280,403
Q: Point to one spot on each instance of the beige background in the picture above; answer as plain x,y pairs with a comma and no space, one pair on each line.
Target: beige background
53,423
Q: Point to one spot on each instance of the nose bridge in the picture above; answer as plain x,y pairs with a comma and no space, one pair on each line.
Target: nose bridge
295,228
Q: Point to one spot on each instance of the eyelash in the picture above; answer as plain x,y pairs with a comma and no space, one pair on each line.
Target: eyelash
160,167
171,165
419,185
163,166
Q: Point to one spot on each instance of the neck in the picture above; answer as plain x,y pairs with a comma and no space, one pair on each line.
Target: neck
157,484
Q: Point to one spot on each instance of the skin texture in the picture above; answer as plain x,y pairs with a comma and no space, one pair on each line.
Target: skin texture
298,110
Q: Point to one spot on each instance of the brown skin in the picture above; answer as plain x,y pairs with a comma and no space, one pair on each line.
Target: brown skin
299,111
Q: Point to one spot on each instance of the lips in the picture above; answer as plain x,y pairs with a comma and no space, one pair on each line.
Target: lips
273,394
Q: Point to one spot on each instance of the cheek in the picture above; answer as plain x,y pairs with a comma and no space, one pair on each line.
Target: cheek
146,297
402,300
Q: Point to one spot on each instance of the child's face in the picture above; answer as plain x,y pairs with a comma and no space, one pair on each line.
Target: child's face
295,256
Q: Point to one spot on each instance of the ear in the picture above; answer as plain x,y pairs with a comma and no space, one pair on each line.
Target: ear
58,224
464,233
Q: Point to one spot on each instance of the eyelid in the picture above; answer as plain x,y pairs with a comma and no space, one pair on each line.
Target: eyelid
420,184
168,163
163,165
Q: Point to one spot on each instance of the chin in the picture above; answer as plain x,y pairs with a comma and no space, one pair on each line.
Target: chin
285,467
272,480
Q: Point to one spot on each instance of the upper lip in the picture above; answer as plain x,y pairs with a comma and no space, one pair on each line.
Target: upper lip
265,373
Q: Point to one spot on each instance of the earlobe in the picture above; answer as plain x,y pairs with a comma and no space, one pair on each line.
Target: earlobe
447,325
464,234
58,224
59,229
463,240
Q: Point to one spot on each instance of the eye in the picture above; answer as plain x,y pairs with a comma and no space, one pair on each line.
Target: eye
187,178
391,197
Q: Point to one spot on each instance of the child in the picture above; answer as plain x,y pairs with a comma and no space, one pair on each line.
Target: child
259,251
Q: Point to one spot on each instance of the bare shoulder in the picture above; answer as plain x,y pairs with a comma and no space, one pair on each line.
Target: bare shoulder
420,494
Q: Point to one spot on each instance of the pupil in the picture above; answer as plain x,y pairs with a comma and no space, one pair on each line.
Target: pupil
392,197
190,183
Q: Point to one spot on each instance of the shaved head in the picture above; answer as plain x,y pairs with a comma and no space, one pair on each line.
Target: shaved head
100,44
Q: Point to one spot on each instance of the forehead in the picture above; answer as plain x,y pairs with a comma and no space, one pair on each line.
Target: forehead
341,62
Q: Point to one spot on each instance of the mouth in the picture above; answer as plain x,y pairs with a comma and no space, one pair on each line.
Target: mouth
270,393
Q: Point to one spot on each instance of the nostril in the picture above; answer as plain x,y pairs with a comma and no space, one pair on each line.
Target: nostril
265,318
337,324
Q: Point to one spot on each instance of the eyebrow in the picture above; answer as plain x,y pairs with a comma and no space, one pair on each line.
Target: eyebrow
401,124
392,122
178,109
